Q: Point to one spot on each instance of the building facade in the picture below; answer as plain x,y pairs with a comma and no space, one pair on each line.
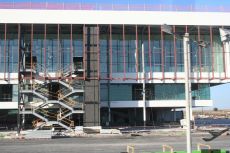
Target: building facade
68,63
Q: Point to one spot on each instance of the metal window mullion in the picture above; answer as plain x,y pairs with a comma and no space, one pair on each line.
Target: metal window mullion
175,53
84,53
150,53
58,49
71,50
211,45
224,63
45,50
31,49
98,53
111,51
123,44
137,65
162,53
5,35
200,54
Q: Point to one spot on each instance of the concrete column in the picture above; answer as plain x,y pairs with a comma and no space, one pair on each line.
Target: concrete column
92,84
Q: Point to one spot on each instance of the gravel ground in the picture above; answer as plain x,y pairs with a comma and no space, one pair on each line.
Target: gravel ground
107,144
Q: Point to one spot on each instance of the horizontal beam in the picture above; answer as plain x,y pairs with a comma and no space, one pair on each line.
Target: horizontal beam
113,17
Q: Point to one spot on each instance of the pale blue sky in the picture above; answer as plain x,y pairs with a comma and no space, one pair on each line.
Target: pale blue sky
221,96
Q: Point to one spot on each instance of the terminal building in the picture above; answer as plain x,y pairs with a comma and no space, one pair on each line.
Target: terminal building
71,63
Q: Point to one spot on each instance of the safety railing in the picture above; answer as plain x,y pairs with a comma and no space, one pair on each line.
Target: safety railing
63,112
77,84
42,68
67,100
67,122
130,149
199,145
64,71
165,147
35,122
47,113
30,66
64,91
56,117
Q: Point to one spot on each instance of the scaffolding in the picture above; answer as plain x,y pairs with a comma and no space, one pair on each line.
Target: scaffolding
50,98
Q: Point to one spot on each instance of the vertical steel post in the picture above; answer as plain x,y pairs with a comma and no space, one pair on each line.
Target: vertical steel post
175,53
137,65
187,90
150,53
19,80
212,49
5,35
59,53
224,62
98,52
84,52
110,76
45,51
71,51
200,53
31,50
123,46
111,51
143,74
162,54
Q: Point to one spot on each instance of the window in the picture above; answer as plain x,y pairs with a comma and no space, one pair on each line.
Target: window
6,93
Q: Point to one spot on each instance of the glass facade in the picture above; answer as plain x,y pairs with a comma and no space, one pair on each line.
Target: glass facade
163,52
8,93
54,47
201,91
8,48
129,92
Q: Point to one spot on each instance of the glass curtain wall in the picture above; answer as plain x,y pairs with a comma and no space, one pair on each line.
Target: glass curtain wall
51,45
52,48
104,51
39,46
65,47
128,92
77,35
9,48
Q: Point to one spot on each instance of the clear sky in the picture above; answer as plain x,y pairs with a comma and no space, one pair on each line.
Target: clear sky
221,96
169,5
164,2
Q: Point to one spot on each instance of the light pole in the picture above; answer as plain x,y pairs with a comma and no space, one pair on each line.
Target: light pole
187,90
187,70
186,47
143,91
143,82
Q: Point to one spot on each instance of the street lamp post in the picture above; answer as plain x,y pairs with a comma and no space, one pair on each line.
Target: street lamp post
186,44
143,91
143,82
187,90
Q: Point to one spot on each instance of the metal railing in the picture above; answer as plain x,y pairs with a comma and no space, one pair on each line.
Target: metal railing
165,147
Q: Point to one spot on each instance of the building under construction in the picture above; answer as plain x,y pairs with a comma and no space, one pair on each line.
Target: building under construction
70,64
